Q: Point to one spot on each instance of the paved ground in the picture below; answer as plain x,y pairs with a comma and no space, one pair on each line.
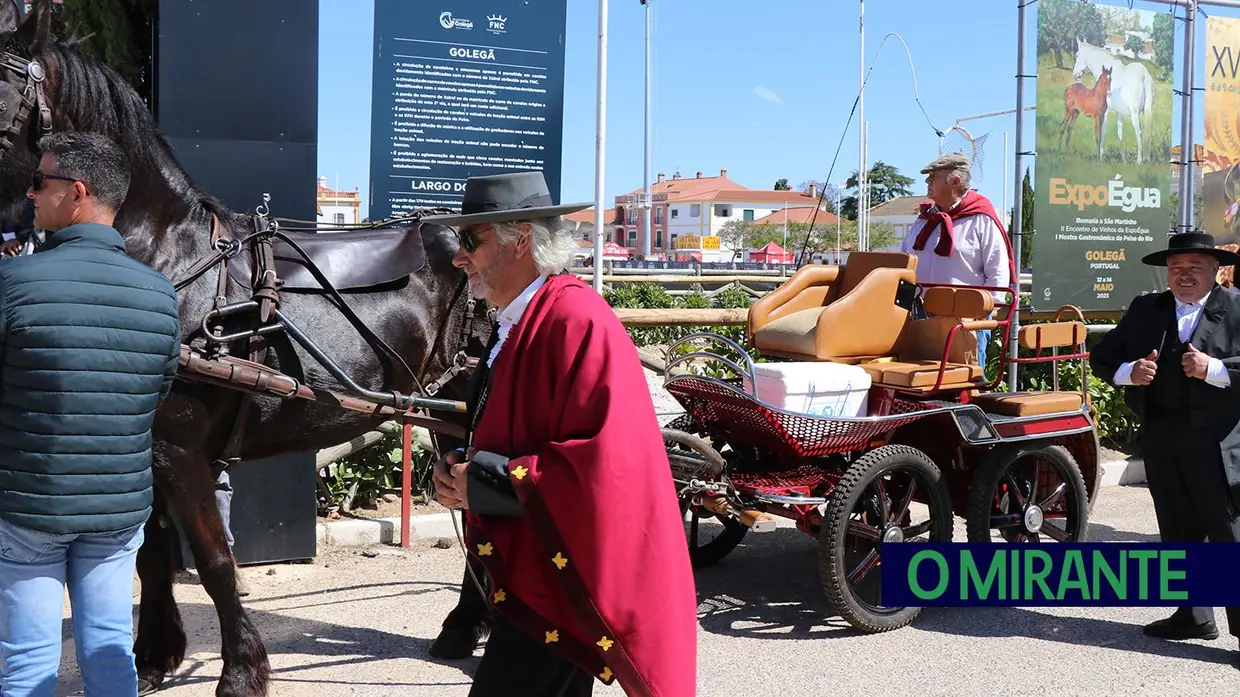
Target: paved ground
348,624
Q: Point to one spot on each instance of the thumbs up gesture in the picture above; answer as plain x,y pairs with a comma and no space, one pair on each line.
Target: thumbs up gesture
1195,363
1143,370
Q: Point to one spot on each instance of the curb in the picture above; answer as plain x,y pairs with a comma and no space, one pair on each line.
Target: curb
1130,472
365,533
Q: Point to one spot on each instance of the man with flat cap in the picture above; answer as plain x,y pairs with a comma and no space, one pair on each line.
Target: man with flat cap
1177,356
571,505
958,238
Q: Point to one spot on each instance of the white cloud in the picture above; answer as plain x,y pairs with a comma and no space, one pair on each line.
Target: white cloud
767,94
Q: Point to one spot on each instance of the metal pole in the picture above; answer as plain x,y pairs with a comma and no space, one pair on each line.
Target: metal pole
647,205
1186,120
861,138
1019,199
600,140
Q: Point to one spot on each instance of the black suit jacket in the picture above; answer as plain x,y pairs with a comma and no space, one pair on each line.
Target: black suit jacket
1217,335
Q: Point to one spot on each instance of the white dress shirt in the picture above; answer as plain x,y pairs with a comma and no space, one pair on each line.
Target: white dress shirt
1186,317
509,316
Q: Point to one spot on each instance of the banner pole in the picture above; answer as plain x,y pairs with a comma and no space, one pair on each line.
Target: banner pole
600,140
1018,200
1186,119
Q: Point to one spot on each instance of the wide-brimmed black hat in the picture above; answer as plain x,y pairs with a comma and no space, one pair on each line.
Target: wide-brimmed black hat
1191,242
499,198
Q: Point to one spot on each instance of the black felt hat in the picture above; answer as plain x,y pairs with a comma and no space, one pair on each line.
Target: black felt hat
505,197
1191,242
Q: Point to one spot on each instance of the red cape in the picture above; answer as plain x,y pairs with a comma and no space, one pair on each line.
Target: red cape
973,203
599,568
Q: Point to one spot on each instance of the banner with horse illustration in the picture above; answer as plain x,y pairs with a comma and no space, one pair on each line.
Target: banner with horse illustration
1220,214
1102,184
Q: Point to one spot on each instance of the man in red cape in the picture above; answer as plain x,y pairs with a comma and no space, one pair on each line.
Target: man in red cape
571,505
958,238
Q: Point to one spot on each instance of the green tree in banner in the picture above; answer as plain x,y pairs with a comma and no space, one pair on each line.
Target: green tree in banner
1062,22
1164,41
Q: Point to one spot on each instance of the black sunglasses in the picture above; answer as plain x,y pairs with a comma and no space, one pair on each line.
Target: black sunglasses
469,239
36,180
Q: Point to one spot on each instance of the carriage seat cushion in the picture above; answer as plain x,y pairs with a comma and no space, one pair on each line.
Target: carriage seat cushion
349,260
1028,403
794,333
920,373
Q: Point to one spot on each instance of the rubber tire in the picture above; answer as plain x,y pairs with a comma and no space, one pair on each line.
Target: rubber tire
986,480
831,566
734,531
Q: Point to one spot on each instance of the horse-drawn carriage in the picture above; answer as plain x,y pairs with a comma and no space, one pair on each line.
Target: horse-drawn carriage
866,423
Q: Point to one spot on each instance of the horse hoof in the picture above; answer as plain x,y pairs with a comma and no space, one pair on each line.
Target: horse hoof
456,643
147,686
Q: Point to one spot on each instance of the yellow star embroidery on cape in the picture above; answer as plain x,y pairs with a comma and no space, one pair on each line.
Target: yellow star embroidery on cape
605,643
553,636
606,674
559,561
485,549
520,472
500,596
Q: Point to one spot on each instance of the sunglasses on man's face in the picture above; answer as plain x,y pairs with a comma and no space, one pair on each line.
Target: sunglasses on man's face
39,178
469,237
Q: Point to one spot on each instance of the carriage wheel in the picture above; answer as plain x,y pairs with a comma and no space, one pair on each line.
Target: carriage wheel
693,458
1028,493
876,502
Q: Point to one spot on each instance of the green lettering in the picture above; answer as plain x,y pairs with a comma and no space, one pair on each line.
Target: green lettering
1038,577
1014,557
1143,572
1073,563
1118,584
915,586
1166,574
971,579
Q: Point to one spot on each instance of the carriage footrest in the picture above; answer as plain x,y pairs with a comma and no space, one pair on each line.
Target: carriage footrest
758,521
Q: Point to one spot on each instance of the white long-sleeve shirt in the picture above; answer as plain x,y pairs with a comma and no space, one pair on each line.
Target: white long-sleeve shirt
1186,317
979,258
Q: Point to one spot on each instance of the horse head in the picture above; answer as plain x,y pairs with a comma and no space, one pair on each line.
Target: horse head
1104,80
25,91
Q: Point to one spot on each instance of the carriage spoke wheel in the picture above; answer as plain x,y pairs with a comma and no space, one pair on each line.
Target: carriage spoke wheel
892,494
710,536
1033,493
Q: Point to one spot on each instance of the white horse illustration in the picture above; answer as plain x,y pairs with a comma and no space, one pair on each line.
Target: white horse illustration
1132,88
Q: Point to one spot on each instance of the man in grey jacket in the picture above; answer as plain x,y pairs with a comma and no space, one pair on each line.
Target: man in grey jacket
89,345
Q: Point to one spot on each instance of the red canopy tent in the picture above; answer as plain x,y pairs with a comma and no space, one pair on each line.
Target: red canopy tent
771,254
613,251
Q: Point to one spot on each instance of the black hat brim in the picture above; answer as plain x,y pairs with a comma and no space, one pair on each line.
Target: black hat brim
463,220
1159,258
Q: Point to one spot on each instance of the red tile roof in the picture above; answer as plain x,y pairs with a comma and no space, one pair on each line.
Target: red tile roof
799,215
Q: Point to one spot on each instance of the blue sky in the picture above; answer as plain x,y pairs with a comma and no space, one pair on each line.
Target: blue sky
763,90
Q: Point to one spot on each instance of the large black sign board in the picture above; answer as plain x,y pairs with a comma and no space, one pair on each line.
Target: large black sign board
463,88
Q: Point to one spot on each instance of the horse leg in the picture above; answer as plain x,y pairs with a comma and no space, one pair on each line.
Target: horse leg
1136,132
468,622
246,669
159,646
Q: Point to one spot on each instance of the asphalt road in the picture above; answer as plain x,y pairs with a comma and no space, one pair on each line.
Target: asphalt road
348,624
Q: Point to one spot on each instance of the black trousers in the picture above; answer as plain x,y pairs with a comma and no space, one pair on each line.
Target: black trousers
1192,501
514,665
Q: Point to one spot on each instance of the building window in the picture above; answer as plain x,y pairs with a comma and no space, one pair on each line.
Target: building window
748,214
658,216
675,213
723,211
695,210
339,218
632,239
658,239
632,216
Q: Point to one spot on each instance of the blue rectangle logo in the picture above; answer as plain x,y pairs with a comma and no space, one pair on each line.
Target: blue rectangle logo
1100,574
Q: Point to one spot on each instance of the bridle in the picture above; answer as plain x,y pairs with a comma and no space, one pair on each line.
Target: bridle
33,100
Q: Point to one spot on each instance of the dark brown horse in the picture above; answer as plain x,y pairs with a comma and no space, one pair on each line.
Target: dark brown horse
168,223
1092,101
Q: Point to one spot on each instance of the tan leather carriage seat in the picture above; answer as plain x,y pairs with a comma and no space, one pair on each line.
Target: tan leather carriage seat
918,353
1040,337
833,313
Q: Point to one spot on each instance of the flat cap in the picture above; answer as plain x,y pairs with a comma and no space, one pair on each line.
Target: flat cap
952,160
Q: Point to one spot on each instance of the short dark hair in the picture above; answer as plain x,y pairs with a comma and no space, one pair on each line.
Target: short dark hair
94,160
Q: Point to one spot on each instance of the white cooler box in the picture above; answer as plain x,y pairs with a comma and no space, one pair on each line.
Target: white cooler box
821,389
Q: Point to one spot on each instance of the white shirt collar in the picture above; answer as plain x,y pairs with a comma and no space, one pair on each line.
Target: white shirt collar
1184,307
516,308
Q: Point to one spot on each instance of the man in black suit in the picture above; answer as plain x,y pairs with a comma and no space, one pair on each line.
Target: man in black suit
1177,354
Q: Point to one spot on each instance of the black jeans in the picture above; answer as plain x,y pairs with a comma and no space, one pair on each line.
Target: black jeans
514,665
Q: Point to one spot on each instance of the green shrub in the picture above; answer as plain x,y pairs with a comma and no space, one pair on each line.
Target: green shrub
376,471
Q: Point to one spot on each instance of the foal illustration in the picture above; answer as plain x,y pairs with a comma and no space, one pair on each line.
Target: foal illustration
1092,101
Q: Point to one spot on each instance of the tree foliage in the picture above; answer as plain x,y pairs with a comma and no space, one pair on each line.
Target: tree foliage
118,33
883,182
1062,22
781,184
740,234
1164,41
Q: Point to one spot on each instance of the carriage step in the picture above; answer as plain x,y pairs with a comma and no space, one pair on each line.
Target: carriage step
753,519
